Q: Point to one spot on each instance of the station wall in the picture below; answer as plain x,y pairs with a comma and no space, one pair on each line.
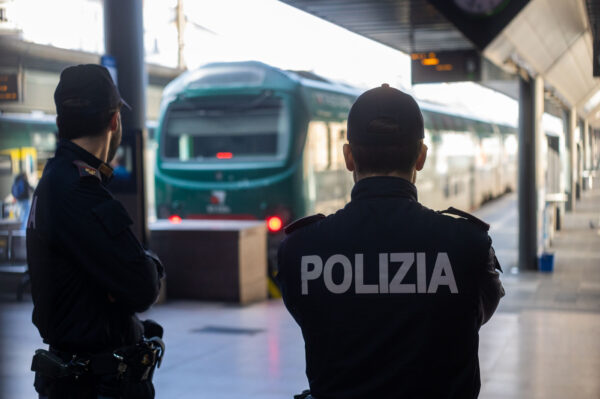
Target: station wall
37,94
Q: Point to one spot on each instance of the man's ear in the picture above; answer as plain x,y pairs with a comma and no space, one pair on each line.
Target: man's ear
114,121
421,158
348,158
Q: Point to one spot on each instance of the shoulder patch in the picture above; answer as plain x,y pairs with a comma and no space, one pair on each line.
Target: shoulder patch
468,216
86,170
302,222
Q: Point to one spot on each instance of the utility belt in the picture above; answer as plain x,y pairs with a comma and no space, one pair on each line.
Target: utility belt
129,364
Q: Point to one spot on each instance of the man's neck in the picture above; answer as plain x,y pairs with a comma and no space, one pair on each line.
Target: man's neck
95,145
411,177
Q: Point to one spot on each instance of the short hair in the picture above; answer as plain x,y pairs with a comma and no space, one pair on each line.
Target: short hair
73,126
370,159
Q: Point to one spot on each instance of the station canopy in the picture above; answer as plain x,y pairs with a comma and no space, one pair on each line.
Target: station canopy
554,39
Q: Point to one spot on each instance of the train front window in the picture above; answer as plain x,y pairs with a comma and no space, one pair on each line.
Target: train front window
226,129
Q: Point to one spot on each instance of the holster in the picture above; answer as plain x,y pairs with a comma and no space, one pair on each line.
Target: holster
137,363
125,373
304,395
51,365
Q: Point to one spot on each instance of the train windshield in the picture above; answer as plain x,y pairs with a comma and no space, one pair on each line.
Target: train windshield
226,129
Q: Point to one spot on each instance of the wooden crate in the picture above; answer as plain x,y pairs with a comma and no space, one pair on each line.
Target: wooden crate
223,260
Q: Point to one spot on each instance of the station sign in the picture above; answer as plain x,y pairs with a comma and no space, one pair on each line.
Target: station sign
9,86
445,66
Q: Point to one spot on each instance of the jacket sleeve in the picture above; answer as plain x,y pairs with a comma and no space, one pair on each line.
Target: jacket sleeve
94,230
489,286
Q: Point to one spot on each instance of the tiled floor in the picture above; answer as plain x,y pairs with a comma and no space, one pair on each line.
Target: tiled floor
544,341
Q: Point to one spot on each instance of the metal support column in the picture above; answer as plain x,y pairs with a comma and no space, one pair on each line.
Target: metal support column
527,192
124,34
571,117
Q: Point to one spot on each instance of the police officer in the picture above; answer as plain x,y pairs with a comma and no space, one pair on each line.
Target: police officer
89,273
389,294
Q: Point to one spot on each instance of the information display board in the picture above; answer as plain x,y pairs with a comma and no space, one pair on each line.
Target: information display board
445,66
9,87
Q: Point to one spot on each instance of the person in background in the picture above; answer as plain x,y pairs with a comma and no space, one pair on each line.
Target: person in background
21,191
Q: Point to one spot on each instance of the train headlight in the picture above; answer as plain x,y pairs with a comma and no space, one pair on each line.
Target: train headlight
274,224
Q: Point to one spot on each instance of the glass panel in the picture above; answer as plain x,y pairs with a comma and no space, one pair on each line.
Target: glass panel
250,128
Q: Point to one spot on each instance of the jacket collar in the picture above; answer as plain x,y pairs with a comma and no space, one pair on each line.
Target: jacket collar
384,186
70,150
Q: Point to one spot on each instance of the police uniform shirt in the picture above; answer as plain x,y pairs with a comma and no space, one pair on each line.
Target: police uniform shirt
89,273
389,296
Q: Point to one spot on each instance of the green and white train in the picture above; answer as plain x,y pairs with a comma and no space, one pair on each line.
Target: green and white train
245,140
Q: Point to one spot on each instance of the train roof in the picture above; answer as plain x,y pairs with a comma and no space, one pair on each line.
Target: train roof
248,74
35,118
216,76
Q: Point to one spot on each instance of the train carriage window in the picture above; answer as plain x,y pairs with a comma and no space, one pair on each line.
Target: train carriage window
428,120
437,122
460,125
447,123
318,146
249,128
5,165
338,138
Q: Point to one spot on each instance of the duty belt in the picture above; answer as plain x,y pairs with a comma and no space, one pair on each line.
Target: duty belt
304,395
130,363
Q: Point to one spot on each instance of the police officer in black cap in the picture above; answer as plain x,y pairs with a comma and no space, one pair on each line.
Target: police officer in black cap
89,273
389,294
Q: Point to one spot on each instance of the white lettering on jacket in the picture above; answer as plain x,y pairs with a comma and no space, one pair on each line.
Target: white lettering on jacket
314,270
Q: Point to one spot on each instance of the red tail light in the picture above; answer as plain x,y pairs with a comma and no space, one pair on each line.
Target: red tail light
224,155
274,224
175,219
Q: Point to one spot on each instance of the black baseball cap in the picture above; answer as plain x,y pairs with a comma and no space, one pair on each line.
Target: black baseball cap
86,90
385,102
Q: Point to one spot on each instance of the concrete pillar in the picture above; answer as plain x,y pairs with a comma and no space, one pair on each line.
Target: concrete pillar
579,158
592,148
571,117
531,191
586,145
596,149
124,34
541,166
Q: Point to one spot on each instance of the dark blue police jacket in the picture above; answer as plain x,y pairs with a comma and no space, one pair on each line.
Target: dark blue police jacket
89,273
390,295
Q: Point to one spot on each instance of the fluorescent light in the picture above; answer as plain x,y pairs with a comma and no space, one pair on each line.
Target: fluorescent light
592,102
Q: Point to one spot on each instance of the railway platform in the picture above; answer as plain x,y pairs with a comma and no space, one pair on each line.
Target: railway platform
542,342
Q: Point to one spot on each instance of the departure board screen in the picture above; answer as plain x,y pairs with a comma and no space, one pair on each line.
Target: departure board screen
445,66
9,89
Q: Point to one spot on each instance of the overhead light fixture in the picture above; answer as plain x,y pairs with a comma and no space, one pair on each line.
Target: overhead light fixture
592,102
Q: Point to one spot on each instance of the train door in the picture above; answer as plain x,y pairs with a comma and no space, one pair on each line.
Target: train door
325,177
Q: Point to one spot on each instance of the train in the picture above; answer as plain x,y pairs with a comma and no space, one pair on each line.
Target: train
28,140
246,140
